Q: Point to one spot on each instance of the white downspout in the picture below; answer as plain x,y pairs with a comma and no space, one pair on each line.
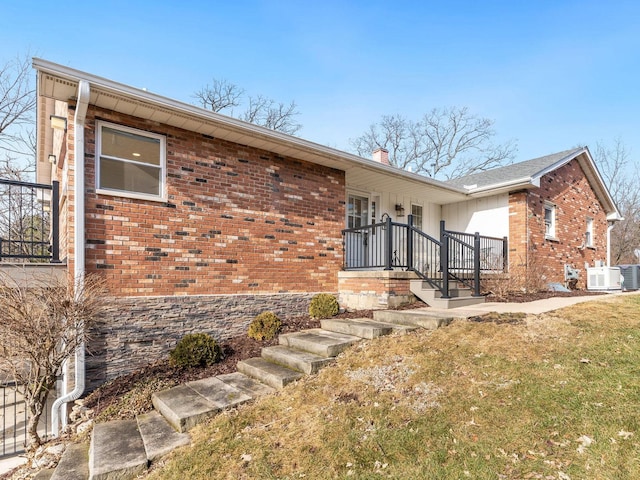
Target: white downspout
78,244
609,227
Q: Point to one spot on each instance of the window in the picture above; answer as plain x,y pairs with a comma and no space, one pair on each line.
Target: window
588,240
129,162
416,211
549,220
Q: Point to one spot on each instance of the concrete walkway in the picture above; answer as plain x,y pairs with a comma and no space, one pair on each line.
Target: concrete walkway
533,308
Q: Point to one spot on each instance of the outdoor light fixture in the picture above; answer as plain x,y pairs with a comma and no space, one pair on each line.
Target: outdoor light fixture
52,158
58,123
399,210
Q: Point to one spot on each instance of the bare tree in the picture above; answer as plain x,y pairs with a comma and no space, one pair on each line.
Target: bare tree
17,106
623,180
223,96
42,322
445,143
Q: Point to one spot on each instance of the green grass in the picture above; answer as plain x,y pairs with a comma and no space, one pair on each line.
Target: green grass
552,396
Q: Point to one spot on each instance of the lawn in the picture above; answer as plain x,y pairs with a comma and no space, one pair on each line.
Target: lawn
553,396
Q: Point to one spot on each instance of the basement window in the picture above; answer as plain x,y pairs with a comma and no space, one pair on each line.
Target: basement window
588,240
130,162
549,220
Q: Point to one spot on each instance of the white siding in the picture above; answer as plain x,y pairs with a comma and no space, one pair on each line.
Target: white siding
489,216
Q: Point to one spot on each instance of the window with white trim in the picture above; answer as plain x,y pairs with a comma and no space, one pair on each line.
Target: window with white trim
130,162
549,220
416,211
588,236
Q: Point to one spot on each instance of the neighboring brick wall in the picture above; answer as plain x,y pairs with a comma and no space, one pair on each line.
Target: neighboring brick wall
136,331
237,220
570,191
364,290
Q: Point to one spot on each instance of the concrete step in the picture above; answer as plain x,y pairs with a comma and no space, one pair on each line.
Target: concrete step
363,327
158,436
116,451
248,385
74,464
182,407
269,373
187,405
420,318
318,341
460,295
304,362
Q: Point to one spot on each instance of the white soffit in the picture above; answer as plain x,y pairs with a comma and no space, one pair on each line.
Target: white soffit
61,82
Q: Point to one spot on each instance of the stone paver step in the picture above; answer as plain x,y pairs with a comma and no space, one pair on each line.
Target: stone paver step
304,362
158,436
272,374
183,407
318,341
248,385
220,394
74,464
116,451
419,318
363,327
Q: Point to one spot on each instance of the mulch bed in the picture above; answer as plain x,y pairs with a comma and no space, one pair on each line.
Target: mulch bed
234,350
518,297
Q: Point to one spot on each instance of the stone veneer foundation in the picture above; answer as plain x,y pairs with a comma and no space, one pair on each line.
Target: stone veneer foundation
137,331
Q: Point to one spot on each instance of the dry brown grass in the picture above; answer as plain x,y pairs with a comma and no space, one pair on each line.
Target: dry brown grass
553,396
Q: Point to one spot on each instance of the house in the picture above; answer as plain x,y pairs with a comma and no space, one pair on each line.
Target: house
198,221
555,210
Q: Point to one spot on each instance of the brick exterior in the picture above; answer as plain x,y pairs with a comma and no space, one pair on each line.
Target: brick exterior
569,190
237,220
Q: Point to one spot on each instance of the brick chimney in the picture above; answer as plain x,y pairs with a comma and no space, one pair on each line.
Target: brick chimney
381,155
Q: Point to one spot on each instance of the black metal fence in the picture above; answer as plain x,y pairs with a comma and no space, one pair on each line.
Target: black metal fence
13,420
29,221
455,255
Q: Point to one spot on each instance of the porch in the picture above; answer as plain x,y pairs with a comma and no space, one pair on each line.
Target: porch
386,263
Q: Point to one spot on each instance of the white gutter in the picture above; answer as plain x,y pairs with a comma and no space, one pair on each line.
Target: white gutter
82,105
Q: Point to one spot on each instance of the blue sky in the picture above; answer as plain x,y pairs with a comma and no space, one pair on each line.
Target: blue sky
551,74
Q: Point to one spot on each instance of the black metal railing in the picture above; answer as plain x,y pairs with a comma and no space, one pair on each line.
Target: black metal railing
455,256
29,221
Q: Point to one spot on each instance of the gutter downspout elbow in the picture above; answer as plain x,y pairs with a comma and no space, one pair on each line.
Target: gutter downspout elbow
82,106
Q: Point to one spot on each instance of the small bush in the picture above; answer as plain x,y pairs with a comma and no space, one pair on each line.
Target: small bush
323,305
265,326
195,350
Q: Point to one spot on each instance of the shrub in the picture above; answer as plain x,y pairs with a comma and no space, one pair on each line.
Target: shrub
265,326
195,350
323,305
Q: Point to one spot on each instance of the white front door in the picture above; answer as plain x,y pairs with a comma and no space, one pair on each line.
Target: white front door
357,242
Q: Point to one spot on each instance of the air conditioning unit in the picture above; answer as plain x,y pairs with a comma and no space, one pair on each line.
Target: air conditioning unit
631,276
603,278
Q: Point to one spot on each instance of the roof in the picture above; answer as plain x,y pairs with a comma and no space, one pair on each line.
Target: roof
527,174
514,172
61,83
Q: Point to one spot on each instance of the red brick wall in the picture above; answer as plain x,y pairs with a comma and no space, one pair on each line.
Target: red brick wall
237,220
570,191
